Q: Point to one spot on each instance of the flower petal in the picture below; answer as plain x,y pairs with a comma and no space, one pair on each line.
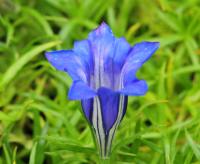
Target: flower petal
109,102
87,106
59,59
102,30
80,91
102,47
66,60
136,88
114,63
82,50
143,51
140,53
122,49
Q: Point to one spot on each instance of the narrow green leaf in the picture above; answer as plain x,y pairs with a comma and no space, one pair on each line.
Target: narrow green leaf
7,154
39,18
33,154
167,150
193,145
152,145
18,65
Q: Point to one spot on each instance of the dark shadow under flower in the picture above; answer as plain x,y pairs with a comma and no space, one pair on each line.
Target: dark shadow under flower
103,69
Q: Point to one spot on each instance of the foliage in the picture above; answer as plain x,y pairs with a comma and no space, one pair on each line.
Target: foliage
37,122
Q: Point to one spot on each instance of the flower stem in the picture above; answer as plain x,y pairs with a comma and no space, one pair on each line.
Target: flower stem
105,161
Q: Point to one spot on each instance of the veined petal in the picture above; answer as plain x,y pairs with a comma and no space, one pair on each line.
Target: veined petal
136,88
102,30
82,50
59,59
110,104
113,63
140,53
143,51
80,91
122,49
66,60
87,106
102,47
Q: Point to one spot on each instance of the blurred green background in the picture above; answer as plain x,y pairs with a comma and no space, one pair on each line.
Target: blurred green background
39,125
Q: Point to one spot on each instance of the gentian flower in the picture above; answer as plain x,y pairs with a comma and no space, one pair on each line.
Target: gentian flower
103,69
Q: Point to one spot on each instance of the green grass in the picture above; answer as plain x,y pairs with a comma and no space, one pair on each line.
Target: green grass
39,125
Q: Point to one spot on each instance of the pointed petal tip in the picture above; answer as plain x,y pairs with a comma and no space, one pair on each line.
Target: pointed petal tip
138,88
157,44
51,54
103,23
102,30
80,91
47,55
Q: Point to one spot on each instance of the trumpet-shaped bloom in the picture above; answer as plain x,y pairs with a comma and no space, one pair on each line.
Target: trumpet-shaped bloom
103,69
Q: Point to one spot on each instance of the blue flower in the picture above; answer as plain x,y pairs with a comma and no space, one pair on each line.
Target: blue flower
103,69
